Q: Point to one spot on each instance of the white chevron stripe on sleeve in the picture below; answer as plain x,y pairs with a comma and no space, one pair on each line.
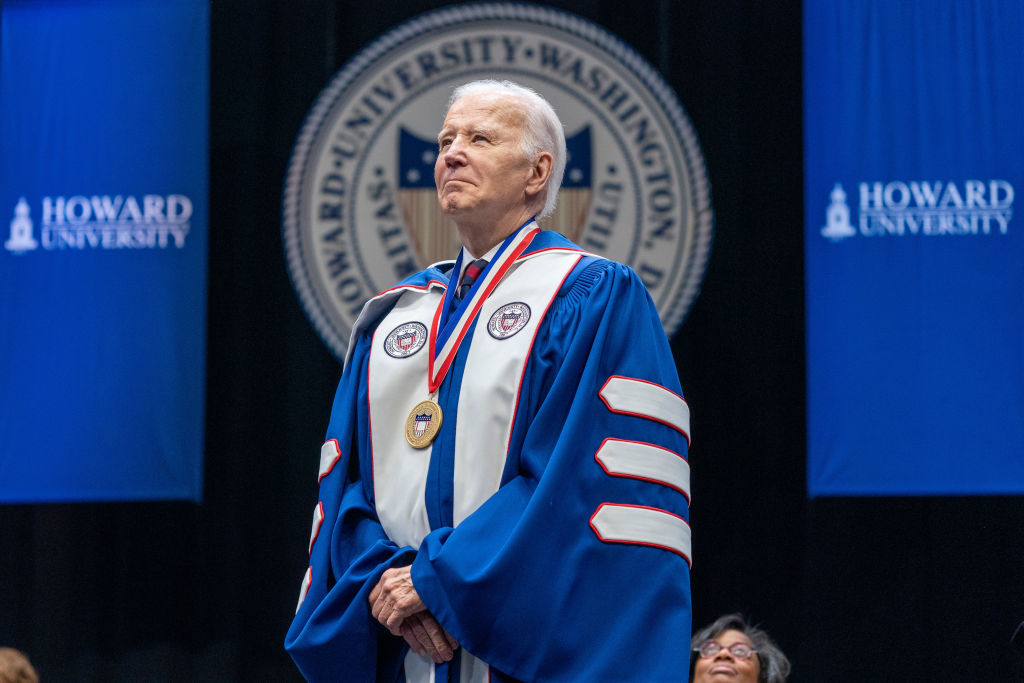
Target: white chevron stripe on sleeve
634,524
318,520
330,454
646,399
645,461
307,581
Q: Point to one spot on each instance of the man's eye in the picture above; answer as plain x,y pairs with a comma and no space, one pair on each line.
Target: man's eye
479,138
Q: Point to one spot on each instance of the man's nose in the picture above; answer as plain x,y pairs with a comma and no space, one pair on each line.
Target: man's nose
454,153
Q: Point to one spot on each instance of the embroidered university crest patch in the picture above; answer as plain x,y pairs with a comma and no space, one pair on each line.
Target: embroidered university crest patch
405,340
508,320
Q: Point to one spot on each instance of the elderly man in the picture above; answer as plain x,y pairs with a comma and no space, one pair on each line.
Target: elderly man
504,486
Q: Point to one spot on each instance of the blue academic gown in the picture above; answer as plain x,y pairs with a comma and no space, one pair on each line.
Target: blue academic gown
524,583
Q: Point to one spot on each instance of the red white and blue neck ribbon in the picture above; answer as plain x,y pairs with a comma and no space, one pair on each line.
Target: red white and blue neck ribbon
448,331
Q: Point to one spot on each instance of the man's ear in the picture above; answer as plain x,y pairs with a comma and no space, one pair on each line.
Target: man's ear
540,173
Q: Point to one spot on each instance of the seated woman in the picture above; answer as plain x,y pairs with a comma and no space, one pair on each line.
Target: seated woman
732,650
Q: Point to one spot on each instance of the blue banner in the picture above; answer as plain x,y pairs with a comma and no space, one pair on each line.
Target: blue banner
104,176
914,152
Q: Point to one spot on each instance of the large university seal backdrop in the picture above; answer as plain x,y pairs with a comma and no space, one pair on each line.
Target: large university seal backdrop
360,207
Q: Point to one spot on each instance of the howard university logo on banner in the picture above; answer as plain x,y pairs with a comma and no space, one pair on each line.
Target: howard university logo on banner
151,221
21,230
917,207
360,206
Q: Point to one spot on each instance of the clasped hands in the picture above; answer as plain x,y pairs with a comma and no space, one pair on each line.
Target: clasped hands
395,603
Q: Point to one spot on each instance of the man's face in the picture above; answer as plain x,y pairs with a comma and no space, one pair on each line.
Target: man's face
481,170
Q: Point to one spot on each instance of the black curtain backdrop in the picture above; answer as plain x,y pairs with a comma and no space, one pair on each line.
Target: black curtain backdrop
871,589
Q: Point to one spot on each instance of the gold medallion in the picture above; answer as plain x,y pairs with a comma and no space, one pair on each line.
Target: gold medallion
423,424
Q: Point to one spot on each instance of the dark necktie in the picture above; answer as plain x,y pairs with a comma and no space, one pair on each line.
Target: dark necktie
469,276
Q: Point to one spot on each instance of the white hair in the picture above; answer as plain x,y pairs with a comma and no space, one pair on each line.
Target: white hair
542,130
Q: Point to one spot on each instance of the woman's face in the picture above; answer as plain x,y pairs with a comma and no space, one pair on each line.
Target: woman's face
724,666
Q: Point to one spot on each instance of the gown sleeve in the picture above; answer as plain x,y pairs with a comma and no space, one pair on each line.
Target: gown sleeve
577,568
334,636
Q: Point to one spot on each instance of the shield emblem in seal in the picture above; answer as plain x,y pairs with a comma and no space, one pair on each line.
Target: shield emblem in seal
433,234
